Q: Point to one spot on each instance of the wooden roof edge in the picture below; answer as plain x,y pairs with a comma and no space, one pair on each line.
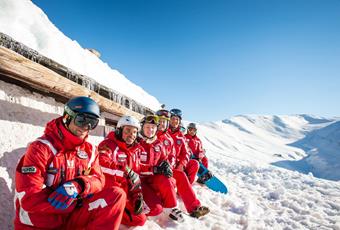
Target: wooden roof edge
87,82
39,77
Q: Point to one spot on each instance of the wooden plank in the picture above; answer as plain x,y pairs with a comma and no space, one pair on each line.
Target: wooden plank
37,76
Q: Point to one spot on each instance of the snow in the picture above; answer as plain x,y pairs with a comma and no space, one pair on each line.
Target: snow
241,154
282,172
28,24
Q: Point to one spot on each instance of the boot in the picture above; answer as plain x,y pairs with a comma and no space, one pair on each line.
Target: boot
200,211
176,215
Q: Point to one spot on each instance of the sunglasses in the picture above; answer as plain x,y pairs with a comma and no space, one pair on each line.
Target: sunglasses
86,120
163,113
176,112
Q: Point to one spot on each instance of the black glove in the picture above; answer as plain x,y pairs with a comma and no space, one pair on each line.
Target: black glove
133,179
138,204
163,168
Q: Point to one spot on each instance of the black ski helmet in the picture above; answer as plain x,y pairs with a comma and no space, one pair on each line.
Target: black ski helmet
81,105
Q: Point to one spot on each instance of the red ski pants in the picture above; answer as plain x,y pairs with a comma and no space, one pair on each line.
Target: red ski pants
191,170
204,161
130,218
158,193
185,191
103,211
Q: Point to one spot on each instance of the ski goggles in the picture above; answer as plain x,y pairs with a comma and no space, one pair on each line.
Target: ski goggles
151,119
163,114
176,112
86,120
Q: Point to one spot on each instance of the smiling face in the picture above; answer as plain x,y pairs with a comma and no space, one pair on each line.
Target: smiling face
80,132
129,134
149,130
175,122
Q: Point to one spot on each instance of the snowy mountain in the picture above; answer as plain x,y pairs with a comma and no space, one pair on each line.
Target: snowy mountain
29,25
304,143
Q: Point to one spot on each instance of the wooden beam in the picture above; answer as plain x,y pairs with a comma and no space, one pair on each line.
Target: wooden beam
37,76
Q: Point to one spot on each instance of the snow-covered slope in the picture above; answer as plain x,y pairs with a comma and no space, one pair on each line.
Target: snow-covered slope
28,24
304,143
240,151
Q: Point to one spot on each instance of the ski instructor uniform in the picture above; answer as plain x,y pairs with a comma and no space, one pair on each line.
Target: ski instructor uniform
59,183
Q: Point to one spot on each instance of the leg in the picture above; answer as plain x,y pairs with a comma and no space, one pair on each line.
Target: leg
205,161
131,219
185,191
102,211
151,199
165,189
191,170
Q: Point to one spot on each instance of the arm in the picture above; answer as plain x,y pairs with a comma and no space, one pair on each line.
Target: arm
95,180
30,176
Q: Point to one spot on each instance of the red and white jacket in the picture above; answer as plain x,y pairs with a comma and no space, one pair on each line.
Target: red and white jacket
56,157
114,156
168,143
181,149
195,145
154,154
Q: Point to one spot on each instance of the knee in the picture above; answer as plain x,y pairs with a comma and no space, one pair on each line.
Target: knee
156,210
114,195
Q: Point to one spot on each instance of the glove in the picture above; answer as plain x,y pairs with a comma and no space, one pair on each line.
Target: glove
163,168
138,204
64,195
133,179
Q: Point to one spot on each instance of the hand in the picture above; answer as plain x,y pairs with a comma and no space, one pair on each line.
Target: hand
133,179
163,168
138,204
64,195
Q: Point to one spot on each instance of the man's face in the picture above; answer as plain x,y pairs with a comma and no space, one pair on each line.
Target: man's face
192,131
80,132
163,124
129,134
175,121
149,130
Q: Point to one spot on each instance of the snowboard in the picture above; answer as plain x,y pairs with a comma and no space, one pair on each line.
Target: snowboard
206,177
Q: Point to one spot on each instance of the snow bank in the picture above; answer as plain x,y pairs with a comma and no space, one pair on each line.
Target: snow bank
28,24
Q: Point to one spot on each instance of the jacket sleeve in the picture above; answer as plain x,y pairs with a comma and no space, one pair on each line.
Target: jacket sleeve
200,151
30,177
184,155
108,165
93,182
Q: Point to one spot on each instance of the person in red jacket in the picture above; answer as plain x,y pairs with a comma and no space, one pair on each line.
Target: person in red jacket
195,144
59,183
119,159
184,189
156,173
183,154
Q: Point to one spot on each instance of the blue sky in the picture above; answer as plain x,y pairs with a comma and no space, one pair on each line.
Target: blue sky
215,59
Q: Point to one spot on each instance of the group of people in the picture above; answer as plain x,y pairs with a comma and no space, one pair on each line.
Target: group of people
138,170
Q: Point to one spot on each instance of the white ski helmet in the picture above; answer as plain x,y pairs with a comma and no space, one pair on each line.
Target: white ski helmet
128,120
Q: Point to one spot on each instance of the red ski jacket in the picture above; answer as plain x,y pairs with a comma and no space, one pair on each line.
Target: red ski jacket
114,156
56,157
168,143
154,154
195,145
182,151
